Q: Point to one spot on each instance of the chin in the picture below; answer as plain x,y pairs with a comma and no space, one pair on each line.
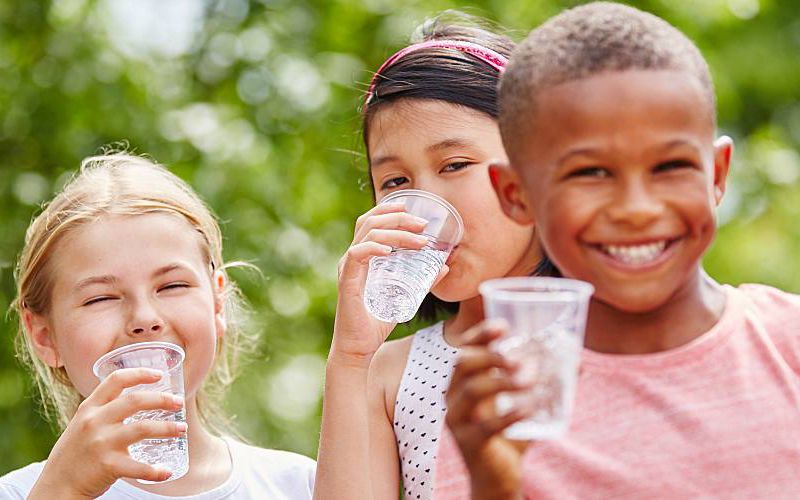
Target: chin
454,290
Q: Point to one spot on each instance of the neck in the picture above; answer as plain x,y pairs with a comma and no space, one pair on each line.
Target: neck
692,311
209,461
470,312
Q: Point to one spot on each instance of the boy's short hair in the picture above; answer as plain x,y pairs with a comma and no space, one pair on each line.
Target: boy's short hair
585,41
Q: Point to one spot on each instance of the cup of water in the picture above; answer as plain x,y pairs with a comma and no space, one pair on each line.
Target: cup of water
547,321
397,283
171,454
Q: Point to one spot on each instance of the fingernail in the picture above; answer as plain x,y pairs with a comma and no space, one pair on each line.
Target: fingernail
421,239
178,400
153,372
420,220
181,426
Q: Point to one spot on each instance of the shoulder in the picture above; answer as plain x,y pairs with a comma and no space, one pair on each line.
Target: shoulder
18,483
280,468
776,303
390,360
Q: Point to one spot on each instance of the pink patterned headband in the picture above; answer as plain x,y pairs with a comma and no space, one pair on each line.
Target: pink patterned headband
489,56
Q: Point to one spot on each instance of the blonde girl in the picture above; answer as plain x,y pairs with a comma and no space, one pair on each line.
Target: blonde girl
128,253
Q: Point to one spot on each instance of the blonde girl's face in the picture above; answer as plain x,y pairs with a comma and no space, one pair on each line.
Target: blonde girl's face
129,279
447,149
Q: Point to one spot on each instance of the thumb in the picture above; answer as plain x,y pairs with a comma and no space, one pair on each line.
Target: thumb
442,273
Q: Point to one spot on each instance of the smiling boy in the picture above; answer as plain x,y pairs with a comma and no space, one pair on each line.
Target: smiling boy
688,388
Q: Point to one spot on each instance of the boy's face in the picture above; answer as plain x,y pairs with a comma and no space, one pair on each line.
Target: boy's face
622,176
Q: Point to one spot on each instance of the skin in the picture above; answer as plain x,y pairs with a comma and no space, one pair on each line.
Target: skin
447,150
626,159
118,281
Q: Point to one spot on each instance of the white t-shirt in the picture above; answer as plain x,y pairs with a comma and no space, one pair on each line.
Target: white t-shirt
256,473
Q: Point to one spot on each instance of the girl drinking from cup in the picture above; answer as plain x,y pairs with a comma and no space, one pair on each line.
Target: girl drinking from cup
127,253
429,124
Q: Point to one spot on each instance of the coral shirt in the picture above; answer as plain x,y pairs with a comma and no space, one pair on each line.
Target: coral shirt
718,417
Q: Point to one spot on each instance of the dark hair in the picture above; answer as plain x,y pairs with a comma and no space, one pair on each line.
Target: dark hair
443,74
584,41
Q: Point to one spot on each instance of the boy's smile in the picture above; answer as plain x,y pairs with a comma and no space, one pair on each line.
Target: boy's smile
623,178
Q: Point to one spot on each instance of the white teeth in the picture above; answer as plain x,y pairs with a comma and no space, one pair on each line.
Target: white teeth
636,254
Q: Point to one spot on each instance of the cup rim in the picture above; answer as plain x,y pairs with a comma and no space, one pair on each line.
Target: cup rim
431,196
518,289
136,346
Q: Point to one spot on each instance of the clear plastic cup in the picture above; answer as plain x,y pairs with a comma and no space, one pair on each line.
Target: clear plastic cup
171,454
397,283
547,321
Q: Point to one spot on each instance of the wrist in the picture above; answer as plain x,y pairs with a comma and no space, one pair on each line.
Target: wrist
338,359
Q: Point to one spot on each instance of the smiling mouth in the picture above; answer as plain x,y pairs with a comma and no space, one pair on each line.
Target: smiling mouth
637,255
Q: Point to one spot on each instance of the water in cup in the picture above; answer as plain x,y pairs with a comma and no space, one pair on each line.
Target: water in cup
547,319
170,454
397,283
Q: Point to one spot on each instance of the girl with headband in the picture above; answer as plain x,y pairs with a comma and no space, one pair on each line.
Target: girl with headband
429,123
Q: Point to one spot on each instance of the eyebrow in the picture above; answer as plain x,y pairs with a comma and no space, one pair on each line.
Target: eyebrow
439,146
590,150
108,279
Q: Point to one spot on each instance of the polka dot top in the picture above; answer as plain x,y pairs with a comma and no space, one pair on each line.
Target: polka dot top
420,408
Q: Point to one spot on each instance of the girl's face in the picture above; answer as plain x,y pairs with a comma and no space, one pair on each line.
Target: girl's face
446,149
128,279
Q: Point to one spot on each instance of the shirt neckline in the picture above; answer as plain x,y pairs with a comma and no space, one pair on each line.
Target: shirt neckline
221,491
686,353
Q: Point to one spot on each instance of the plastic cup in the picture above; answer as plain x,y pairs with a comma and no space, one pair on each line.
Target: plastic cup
171,454
397,283
547,321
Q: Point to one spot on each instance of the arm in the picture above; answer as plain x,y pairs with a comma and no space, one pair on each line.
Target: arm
345,454
92,453
494,462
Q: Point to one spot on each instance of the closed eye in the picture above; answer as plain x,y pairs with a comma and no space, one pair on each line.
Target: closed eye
97,300
394,182
174,286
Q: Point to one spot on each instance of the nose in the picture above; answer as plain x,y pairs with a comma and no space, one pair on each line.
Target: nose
144,320
635,204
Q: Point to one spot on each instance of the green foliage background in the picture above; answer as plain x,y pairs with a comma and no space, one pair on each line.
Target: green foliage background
255,104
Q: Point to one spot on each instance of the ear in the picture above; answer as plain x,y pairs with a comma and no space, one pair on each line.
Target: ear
218,283
509,191
723,149
38,330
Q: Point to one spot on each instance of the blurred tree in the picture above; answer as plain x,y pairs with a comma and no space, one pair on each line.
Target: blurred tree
256,105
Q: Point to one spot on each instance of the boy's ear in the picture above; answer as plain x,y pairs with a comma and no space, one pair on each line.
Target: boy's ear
38,330
219,283
513,199
723,150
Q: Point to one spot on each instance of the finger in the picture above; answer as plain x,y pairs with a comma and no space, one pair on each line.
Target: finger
125,406
473,360
485,429
463,400
486,332
397,239
354,262
380,209
402,221
117,381
133,469
134,432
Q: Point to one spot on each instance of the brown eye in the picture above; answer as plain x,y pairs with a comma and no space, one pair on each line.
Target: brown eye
394,182
673,165
456,166
598,172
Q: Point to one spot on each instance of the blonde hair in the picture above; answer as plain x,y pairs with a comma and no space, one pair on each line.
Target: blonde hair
122,184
